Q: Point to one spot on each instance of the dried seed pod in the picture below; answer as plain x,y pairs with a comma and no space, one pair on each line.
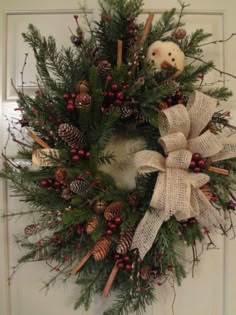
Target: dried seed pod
125,241
113,210
99,206
31,229
92,224
101,249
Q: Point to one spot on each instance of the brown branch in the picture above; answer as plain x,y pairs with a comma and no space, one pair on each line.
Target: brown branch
219,41
21,213
22,73
215,68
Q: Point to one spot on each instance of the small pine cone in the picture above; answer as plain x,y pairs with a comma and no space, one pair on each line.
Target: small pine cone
101,249
78,187
83,101
82,87
113,210
99,206
126,111
66,194
145,272
61,175
72,136
134,199
92,224
104,68
31,229
125,241
179,34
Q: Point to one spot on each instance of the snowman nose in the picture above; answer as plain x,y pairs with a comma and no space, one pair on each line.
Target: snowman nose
165,64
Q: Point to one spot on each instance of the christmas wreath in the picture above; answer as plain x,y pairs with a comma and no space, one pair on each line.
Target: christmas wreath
128,163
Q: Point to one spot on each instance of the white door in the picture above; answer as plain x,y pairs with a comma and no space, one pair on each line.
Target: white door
212,291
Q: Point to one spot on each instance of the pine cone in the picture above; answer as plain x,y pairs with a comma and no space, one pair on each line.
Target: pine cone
101,249
126,111
113,210
180,33
66,193
125,241
99,206
92,224
61,175
104,68
31,229
82,87
83,101
72,136
78,187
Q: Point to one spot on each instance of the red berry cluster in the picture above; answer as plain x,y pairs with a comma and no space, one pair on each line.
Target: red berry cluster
70,101
132,30
78,154
51,184
113,96
57,239
112,225
123,262
197,163
177,98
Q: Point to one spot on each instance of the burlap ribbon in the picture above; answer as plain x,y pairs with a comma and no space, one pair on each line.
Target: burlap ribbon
177,189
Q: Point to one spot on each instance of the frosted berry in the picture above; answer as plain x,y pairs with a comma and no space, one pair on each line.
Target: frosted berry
75,158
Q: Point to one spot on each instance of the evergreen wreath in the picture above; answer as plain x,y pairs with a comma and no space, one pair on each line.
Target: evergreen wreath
115,124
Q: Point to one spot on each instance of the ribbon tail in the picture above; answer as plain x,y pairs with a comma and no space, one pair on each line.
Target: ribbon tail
146,231
208,217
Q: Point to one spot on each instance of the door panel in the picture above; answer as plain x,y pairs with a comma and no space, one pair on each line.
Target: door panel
211,291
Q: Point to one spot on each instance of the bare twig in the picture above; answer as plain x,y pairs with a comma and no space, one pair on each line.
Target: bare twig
219,41
215,68
13,214
22,73
183,6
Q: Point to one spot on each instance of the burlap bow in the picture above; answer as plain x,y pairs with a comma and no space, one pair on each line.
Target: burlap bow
177,189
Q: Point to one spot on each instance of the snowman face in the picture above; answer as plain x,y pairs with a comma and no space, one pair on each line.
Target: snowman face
166,54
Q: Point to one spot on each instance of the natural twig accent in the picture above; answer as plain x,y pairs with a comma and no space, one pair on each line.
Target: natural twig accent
219,41
217,170
119,52
13,214
110,281
213,67
183,6
22,73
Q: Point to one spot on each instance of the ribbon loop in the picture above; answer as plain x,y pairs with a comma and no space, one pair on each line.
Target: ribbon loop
173,142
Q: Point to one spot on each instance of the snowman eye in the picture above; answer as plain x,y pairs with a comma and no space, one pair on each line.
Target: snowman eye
169,54
173,59
153,53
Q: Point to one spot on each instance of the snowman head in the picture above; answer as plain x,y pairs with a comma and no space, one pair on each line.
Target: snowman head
166,54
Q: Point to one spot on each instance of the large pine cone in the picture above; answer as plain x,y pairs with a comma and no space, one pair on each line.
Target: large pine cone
113,210
101,249
79,186
125,242
92,224
72,136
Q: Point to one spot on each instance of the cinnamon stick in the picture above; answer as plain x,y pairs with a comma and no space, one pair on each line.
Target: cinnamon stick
145,30
119,52
81,263
218,170
38,140
110,281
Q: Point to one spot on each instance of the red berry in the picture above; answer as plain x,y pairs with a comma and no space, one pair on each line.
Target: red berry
196,156
78,245
87,155
88,173
109,232
71,228
73,95
110,94
118,220
107,18
75,158
180,101
37,92
114,87
50,181
201,76
75,16
65,96
201,163
73,151
57,269
192,164
79,176
206,231
70,107
109,78
58,120
120,96
44,183
121,265
81,153
170,267
117,257
197,170
39,243
56,184
112,226
169,101
50,118
126,259
67,258
128,267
